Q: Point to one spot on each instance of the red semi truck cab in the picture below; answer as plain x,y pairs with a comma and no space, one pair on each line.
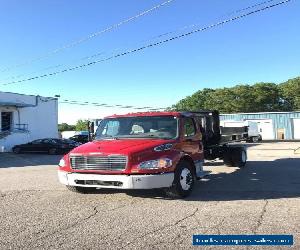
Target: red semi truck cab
138,151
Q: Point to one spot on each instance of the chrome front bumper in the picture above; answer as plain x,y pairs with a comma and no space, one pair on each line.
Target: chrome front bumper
116,181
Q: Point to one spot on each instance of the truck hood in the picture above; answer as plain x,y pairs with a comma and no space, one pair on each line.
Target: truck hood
119,146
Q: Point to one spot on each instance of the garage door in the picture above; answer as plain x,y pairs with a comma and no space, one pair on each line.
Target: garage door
265,128
296,126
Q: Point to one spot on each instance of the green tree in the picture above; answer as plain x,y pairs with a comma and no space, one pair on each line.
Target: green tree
244,98
65,127
290,92
81,125
259,97
195,102
222,100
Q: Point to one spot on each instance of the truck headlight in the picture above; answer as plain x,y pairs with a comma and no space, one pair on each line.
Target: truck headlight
156,164
62,163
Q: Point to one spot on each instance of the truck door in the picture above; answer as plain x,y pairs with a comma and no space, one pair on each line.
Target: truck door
191,139
192,144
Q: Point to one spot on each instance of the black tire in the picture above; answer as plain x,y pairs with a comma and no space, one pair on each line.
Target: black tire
227,158
52,151
254,139
184,180
239,157
17,150
82,190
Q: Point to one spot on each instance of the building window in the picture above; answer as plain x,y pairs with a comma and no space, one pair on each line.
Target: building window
6,121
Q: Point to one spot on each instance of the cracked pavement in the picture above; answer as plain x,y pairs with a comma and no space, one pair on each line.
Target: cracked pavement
39,213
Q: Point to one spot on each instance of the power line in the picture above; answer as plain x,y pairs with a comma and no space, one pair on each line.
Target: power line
225,15
89,37
34,72
152,44
250,7
105,105
151,39
102,53
85,58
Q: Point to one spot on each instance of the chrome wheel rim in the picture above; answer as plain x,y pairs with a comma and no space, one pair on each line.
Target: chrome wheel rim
186,179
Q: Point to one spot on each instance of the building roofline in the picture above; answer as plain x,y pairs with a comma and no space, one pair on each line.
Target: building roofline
16,104
255,113
27,95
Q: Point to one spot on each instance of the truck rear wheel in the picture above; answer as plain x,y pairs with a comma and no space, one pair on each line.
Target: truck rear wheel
227,156
239,157
235,157
227,159
184,180
83,190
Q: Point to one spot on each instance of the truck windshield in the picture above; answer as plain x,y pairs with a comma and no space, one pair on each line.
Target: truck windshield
160,127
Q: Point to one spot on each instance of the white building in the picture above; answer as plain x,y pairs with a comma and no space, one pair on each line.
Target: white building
24,118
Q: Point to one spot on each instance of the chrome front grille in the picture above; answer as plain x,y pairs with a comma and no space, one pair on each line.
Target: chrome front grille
99,162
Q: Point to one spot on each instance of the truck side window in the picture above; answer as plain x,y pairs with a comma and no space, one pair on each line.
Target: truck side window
189,127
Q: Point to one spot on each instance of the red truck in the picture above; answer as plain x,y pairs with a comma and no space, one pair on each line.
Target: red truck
149,150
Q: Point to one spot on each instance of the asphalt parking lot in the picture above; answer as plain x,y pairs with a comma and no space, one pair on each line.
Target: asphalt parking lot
39,213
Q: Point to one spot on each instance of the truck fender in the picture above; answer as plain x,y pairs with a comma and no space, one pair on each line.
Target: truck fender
189,159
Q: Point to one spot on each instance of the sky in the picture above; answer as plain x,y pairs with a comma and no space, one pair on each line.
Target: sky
263,47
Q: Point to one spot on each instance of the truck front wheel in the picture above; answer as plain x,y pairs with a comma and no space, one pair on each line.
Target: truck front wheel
83,190
184,180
